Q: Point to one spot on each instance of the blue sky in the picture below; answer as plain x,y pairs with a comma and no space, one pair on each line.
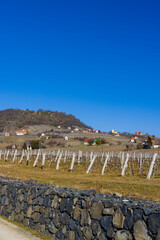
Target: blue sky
98,60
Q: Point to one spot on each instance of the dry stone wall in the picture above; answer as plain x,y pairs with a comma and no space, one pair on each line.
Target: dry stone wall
63,213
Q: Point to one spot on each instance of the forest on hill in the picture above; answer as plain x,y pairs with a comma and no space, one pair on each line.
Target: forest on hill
16,118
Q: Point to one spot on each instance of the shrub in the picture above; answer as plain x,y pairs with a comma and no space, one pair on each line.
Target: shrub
91,141
11,147
35,144
57,136
149,141
61,144
52,142
98,142
139,145
81,139
129,147
24,146
103,141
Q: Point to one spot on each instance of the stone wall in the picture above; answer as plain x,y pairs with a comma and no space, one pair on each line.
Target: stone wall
63,213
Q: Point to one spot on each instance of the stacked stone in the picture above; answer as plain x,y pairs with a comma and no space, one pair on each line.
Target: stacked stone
64,213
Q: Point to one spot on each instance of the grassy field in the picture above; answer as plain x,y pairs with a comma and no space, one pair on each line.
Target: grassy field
113,143
135,186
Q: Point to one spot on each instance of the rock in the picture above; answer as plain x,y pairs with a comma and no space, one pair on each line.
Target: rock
118,194
83,204
48,192
118,219
42,219
25,208
52,228
110,233
7,200
137,214
71,235
147,211
75,201
3,190
101,235
22,206
17,217
123,235
76,213
65,218
108,211
42,210
63,204
64,230
18,207
36,208
21,217
12,217
140,231
29,212
124,209
29,199
72,225
84,217
46,201
87,231
154,222
42,228
56,220
59,234
63,213
106,222
96,210
158,235
108,204
38,201
95,227
32,182
26,222
69,207
88,203
54,203
128,222
36,217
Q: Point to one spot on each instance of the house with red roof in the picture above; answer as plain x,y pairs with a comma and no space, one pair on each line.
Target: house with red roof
7,134
138,133
21,132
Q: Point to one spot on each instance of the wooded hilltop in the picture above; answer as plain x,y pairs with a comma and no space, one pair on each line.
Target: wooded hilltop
20,118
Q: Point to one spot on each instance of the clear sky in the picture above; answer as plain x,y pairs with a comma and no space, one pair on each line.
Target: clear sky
98,60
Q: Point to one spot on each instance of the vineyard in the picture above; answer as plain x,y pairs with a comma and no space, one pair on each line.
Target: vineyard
134,174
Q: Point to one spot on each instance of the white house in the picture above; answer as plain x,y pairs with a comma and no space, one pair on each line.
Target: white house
21,132
7,134
155,146
138,133
132,140
114,132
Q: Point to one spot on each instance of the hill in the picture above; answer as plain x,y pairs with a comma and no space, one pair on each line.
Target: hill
15,118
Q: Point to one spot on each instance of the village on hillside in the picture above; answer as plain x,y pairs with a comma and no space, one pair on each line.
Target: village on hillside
69,136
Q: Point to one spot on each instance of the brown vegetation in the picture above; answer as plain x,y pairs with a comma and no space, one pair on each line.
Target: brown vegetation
136,186
15,118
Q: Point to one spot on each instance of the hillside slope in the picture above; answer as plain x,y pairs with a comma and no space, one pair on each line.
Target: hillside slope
15,118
